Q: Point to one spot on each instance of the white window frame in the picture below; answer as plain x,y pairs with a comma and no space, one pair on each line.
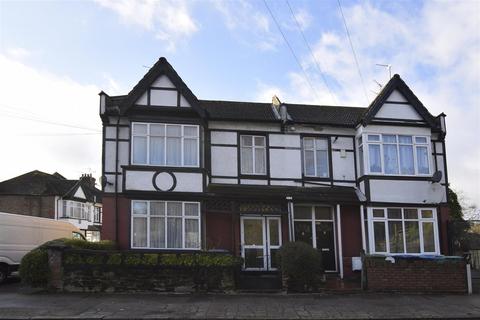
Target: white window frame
182,138
366,153
254,147
183,217
384,219
315,149
85,210
314,230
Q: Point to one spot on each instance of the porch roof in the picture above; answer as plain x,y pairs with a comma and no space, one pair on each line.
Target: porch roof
335,194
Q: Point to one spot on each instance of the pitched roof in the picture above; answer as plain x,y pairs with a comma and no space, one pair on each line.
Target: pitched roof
258,192
318,114
236,110
396,83
38,183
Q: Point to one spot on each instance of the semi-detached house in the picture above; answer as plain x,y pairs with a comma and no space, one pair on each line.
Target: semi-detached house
185,174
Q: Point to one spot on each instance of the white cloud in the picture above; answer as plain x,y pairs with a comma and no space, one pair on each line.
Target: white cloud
436,51
169,20
250,26
18,53
29,94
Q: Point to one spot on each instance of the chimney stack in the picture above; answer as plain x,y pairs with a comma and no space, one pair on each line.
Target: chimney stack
88,179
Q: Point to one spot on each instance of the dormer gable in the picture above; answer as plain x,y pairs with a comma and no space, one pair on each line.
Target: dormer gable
79,193
161,87
396,103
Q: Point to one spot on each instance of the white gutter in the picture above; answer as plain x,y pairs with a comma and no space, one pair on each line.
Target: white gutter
339,237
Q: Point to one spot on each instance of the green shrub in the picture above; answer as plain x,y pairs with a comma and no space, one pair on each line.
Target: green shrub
199,260
301,264
82,244
73,258
34,269
114,259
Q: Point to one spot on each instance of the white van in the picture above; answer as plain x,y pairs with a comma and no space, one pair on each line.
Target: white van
19,234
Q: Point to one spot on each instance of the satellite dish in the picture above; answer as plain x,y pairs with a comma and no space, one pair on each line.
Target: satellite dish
104,181
437,176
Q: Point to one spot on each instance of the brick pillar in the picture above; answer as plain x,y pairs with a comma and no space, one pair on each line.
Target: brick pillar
55,281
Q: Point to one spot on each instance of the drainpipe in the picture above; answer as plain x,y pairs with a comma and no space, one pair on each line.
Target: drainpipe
117,109
290,218
339,232
362,224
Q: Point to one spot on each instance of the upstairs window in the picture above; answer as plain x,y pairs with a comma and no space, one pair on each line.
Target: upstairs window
165,144
392,154
77,210
253,156
315,155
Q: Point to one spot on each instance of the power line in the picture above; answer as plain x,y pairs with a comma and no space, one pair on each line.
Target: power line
291,49
311,52
353,51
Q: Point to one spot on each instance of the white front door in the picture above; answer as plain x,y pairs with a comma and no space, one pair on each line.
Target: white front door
261,238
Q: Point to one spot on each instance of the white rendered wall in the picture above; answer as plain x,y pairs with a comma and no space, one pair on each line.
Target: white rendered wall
142,181
285,163
407,191
223,137
398,111
224,161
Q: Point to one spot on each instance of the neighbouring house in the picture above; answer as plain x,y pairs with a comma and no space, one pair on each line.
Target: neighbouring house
185,174
53,196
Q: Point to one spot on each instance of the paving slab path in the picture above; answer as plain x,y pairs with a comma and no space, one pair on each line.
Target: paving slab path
18,303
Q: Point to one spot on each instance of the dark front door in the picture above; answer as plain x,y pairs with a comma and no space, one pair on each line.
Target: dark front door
326,243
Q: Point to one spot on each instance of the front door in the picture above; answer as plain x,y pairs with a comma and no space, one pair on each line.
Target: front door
261,238
326,243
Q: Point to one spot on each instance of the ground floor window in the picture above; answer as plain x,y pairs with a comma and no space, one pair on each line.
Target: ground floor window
165,224
403,230
93,236
315,225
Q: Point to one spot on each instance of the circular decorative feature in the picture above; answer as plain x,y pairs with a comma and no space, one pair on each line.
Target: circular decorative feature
164,181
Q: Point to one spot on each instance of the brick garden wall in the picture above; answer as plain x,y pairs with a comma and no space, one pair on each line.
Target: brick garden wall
416,275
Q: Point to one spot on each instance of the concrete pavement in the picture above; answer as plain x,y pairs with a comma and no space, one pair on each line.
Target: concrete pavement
17,302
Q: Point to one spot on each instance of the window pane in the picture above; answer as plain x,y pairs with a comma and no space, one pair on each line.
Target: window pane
190,152
360,154
273,232
260,141
394,213
260,160
374,155
139,207
140,150
322,163
379,236
174,151
174,131
309,163
139,232
157,150
247,160
157,129
410,213
139,128
303,232
395,233
174,232
378,213
420,140
373,137
190,131
308,143
157,208
389,138
303,212
321,144
253,232
157,232
191,209
427,214
323,213
174,209
412,236
422,160
406,160
246,141
405,139
428,237
192,237
390,158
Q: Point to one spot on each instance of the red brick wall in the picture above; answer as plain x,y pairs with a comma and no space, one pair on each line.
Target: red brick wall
38,206
418,276
443,217
219,231
109,220
351,236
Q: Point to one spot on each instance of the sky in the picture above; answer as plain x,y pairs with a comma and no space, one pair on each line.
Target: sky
56,56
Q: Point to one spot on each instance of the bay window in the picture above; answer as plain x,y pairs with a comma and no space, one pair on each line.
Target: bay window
403,230
165,224
253,155
77,210
393,154
315,155
165,144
